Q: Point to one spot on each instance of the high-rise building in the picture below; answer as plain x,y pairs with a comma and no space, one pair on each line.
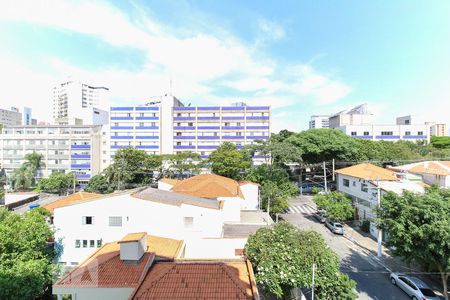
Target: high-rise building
439,130
167,126
64,148
10,117
358,115
27,118
73,103
319,121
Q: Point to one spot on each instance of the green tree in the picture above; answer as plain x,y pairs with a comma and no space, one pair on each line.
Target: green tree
283,256
34,162
2,185
338,207
22,178
418,226
57,183
98,184
228,161
441,142
26,266
184,163
132,167
317,145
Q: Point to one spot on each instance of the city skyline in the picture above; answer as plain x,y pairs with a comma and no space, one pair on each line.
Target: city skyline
285,56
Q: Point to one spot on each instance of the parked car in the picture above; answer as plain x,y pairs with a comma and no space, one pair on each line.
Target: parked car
335,227
320,216
307,187
414,287
33,205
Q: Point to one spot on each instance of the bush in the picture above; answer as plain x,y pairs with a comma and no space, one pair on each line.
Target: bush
365,226
315,190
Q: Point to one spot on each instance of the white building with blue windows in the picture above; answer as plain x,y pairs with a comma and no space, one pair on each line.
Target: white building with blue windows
167,126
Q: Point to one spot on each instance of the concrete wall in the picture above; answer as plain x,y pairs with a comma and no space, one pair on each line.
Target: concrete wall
251,196
231,208
94,293
214,248
164,186
137,216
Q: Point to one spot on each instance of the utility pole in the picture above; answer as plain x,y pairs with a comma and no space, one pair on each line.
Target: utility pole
74,181
333,170
325,177
312,288
380,234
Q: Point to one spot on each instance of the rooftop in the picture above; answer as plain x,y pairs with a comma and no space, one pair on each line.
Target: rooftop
104,268
170,181
209,186
368,172
71,199
426,167
198,280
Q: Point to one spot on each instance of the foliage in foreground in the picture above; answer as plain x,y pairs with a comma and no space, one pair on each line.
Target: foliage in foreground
418,226
283,256
338,207
26,266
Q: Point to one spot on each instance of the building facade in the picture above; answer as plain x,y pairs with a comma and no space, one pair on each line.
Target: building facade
65,148
73,102
388,132
166,126
10,117
439,130
319,121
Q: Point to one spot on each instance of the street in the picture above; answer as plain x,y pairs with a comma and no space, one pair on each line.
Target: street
372,279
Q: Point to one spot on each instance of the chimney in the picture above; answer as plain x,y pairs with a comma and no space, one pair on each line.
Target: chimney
133,247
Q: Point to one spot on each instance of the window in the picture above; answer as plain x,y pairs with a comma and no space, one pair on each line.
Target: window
387,133
238,133
115,221
191,124
364,187
420,133
178,133
178,143
346,182
238,124
407,122
88,220
141,124
353,133
77,244
407,132
366,133
99,243
92,243
227,124
188,222
84,243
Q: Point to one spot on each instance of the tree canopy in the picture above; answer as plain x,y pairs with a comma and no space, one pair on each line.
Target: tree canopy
57,183
283,256
338,207
418,226
228,161
26,266
98,184
441,142
183,164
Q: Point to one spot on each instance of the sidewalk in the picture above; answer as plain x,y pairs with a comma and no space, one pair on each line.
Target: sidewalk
388,261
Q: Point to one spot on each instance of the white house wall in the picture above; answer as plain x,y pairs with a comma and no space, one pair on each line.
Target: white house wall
231,208
251,197
94,293
214,248
164,186
137,216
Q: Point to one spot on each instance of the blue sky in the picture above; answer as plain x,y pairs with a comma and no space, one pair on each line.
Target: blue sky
300,57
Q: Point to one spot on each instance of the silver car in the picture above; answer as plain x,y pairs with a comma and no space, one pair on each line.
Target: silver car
335,227
414,287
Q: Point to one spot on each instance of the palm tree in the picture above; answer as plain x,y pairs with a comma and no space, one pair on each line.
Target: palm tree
34,162
22,178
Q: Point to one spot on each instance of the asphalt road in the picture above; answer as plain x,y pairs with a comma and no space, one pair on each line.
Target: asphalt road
372,279
41,201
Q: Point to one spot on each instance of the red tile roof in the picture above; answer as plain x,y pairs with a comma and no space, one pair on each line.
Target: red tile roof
369,172
198,280
73,198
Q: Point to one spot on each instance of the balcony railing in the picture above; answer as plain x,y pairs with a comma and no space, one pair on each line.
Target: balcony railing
184,147
184,137
147,137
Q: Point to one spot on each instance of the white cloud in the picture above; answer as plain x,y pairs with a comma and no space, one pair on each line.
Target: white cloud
196,62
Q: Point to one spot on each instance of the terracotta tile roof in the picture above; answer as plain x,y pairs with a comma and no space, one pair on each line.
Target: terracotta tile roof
170,181
198,280
74,198
209,186
426,167
105,269
369,172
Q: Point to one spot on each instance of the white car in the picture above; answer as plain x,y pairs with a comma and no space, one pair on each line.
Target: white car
414,287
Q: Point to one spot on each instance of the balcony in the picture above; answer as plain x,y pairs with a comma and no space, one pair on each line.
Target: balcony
11,166
58,166
120,146
208,127
227,108
232,137
253,108
13,147
184,137
208,108
232,127
121,118
208,118
363,136
60,147
208,137
183,118
415,137
184,108
79,156
121,137
147,137
83,176
37,147
147,147
58,156
148,118
80,166
184,127
233,118
147,127
121,127
80,147
251,118
257,137
122,108
208,147
13,156
258,127
143,108
184,147
387,137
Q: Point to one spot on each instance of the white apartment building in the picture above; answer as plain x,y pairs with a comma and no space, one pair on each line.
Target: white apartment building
10,117
73,103
388,132
65,148
439,130
356,116
167,126
319,121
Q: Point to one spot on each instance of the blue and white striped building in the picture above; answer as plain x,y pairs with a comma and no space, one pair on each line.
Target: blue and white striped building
168,126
